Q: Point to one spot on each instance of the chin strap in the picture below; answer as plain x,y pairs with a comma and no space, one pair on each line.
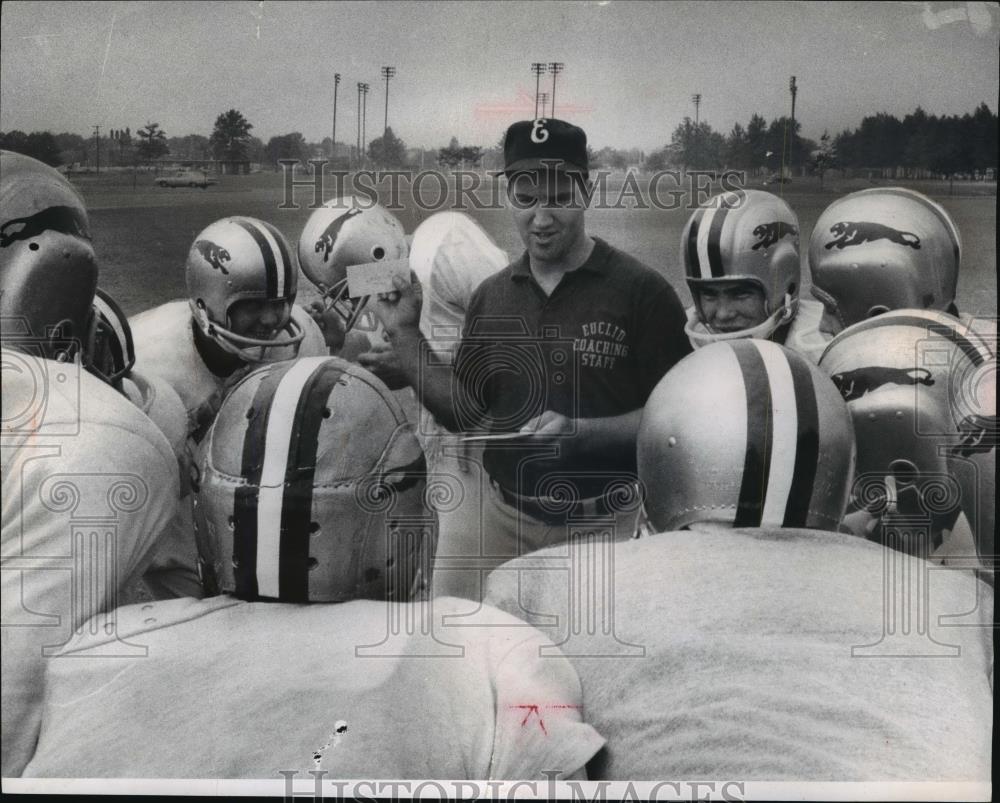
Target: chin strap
700,335
243,347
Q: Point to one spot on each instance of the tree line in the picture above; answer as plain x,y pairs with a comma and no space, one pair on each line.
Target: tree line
918,146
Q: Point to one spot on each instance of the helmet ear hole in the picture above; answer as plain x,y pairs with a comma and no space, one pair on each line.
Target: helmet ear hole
378,252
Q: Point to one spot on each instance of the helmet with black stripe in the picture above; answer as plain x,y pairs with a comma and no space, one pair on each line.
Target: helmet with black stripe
312,489
744,236
241,259
48,270
920,385
342,233
777,451
882,249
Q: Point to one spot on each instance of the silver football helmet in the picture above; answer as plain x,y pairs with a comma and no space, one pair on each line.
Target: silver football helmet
884,249
914,381
777,450
746,235
237,259
48,270
341,234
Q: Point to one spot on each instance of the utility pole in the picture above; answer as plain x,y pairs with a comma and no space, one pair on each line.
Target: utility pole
97,145
333,133
387,73
697,102
364,120
357,147
537,67
543,98
794,90
555,67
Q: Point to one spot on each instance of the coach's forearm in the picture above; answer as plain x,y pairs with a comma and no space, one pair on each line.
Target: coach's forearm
609,435
432,380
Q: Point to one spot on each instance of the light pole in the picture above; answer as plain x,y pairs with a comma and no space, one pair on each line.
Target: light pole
357,147
794,90
364,120
333,133
537,67
696,98
543,98
555,67
387,73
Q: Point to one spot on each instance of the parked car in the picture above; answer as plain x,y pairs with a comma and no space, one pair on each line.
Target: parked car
776,179
186,178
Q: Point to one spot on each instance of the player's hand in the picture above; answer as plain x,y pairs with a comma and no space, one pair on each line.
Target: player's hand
399,309
383,361
549,424
330,324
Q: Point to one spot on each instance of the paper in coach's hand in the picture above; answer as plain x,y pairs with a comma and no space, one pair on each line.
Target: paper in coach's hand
371,278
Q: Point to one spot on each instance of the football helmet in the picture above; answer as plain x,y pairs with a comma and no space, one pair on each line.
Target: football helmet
312,489
48,270
746,235
912,379
112,350
777,450
883,249
236,259
342,233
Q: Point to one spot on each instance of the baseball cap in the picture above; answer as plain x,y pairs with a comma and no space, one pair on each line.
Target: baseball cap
528,144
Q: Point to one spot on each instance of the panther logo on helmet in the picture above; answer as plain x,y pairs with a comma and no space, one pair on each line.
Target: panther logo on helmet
329,235
312,489
893,248
769,233
848,234
214,254
855,384
63,219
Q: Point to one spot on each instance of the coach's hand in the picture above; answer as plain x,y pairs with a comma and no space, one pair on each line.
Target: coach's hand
399,310
330,323
549,425
383,361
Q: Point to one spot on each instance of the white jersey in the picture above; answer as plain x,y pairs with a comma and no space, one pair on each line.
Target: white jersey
164,346
88,483
767,655
804,333
233,689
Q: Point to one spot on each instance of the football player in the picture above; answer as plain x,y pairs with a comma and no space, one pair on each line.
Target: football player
740,252
88,481
312,524
753,634
920,386
344,233
242,282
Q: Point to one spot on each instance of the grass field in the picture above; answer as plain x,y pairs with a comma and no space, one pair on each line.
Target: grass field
142,234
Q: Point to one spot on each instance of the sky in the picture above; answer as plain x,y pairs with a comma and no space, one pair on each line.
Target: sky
464,68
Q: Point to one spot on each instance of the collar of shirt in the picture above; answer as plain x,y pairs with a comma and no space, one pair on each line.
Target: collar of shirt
596,263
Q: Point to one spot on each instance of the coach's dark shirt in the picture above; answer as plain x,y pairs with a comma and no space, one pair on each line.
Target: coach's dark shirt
595,347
